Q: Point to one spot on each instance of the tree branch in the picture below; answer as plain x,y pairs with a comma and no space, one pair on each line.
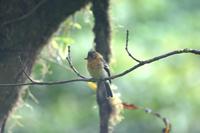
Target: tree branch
32,82
84,79
154,59
142,63
48,83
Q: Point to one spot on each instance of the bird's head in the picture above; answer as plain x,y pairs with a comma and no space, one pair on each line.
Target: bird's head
91,55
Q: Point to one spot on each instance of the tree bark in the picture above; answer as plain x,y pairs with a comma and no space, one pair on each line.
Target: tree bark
105,108
25,27
102,28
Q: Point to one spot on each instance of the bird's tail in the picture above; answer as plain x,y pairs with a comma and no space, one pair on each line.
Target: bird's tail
108,89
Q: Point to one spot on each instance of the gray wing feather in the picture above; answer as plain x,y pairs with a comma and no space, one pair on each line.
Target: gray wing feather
106,68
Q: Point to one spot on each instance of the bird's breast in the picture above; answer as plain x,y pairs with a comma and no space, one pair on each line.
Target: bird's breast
95,68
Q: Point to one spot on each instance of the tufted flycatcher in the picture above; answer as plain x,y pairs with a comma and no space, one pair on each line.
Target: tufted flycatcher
98,69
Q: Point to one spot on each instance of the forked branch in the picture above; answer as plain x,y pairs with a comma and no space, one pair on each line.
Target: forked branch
85,79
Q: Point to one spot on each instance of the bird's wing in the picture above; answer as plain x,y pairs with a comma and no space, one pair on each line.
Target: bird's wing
106,68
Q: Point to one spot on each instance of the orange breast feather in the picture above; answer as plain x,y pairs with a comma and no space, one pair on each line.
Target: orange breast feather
95,68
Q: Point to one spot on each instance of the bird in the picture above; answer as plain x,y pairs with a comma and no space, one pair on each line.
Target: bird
99,69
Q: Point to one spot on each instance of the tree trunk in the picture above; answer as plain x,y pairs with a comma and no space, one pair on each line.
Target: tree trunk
102,31
25,27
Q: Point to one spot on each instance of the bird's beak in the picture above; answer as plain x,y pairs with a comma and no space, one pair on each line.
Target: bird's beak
86,58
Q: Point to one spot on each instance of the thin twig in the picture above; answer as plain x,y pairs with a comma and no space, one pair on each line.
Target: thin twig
175,52
23,68
126,48
71,65
25,15
166,122
48,83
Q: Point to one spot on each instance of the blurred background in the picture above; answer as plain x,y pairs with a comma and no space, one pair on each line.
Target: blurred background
170,86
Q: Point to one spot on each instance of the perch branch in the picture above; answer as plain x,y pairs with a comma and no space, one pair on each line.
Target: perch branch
47,83
154,59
